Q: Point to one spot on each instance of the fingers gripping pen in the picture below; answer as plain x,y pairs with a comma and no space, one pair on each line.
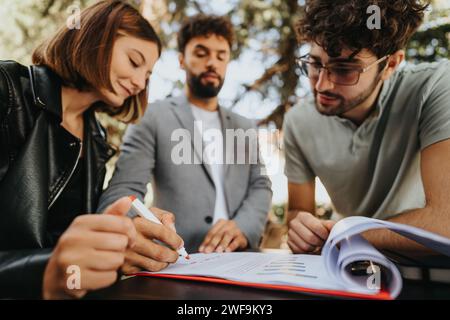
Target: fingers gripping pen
139,208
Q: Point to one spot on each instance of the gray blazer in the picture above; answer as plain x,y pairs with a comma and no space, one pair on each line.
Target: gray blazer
188,190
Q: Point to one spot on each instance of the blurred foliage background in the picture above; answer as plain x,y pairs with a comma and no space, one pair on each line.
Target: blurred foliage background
264,28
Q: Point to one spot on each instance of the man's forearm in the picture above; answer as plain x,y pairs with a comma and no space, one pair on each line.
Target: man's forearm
427,219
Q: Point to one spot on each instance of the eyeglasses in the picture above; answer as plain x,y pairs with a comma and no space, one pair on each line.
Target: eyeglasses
340,73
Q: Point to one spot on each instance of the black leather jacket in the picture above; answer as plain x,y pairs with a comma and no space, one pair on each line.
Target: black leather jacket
35,165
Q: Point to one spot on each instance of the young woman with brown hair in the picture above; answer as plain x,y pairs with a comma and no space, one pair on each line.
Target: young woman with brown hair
53,153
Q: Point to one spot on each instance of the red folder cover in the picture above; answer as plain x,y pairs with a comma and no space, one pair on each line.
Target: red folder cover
382,295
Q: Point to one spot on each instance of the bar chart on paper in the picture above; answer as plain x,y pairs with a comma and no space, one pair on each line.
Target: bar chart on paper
257,268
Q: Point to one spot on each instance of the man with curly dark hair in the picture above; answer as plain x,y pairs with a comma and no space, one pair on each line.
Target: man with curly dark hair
376,130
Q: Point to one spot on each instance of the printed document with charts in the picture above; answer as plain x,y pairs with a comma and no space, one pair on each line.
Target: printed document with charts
327,274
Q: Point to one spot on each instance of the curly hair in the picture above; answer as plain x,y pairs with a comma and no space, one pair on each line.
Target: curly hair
335,25
205,25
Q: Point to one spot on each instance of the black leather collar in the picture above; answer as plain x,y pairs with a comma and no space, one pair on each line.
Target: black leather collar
46,89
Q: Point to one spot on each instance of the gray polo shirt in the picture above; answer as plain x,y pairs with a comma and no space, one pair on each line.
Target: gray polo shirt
373,170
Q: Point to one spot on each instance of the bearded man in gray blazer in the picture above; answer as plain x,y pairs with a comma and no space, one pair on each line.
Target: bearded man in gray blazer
220,206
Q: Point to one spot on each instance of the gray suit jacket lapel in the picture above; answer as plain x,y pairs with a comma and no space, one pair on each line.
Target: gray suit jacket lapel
183,112
227,123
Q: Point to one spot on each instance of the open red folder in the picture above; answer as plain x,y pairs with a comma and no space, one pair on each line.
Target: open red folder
330,274
274,271
382,295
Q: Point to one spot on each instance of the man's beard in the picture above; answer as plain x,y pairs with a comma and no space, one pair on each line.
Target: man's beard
201,90
344,105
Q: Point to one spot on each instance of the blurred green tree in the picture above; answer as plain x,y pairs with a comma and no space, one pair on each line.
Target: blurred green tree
264,27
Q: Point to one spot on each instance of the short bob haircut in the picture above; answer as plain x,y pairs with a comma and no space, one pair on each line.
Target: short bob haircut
82,58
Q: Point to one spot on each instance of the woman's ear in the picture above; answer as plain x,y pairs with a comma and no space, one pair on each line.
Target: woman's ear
393,62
